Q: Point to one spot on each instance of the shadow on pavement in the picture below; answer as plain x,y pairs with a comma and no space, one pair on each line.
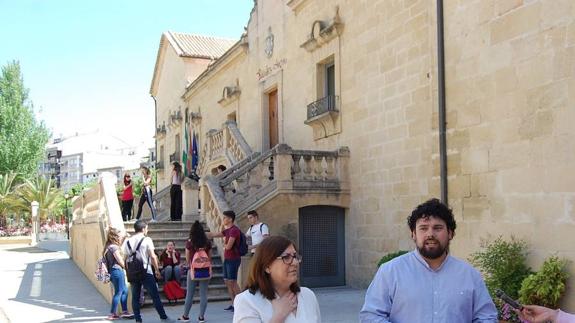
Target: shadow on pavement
30,250
59,285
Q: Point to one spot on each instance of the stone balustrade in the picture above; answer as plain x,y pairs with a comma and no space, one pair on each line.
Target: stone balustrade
279,170
227,142
93,213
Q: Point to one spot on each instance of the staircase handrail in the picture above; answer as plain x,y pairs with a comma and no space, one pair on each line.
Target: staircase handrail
240,141
227,142
213,205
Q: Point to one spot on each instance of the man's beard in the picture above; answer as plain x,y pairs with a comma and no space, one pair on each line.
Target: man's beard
434,253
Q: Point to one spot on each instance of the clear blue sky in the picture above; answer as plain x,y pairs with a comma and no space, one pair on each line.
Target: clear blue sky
89,64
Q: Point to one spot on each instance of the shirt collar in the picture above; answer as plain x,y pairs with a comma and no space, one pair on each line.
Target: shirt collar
419,258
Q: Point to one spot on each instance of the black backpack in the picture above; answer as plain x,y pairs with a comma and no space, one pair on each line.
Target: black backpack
135,270
243,244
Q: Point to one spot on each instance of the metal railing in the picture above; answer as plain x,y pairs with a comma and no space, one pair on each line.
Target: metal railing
321,106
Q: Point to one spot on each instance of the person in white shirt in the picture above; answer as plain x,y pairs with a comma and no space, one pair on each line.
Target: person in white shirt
273,294
257,230
150,260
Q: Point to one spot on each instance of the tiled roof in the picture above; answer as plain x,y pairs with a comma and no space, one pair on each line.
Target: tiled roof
199,46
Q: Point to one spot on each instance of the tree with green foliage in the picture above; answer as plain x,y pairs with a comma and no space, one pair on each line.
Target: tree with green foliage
42,190
7,195
22,137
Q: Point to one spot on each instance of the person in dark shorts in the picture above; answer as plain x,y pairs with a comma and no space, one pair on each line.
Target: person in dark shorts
232,258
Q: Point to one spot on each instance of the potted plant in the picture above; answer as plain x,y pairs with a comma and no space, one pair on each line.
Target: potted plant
503,265
547,286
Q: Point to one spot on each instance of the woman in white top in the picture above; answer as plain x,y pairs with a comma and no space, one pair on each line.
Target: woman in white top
272,293
176,193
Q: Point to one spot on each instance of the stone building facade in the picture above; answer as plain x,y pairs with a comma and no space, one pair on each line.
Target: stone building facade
326,74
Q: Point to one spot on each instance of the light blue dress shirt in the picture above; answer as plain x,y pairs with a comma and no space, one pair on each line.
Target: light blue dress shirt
407,290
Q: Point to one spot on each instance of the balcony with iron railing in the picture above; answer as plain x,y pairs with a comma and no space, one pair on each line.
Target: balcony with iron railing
175,157
323,116
324,105
161,130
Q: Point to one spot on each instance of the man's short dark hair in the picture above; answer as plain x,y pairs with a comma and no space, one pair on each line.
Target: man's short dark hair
434,208
140,225
230,214
253,212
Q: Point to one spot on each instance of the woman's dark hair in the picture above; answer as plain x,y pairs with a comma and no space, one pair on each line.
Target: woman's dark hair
145,170
177,167
198,237
127,180
268,251
434,208
165,251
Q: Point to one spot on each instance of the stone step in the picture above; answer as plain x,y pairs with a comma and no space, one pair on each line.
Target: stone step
178,232
164,225
216,292
211,298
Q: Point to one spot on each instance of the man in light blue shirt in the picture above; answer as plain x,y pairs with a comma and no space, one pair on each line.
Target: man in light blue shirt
428,285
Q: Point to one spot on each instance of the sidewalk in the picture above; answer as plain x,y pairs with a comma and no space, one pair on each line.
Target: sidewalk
41,284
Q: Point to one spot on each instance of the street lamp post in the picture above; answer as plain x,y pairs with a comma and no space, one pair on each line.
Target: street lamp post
66,198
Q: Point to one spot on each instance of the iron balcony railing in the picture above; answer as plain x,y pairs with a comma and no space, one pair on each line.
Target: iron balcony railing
321,106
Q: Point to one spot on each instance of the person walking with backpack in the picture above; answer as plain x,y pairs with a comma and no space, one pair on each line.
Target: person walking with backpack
232,255
141,265
257,231
199,259
115,264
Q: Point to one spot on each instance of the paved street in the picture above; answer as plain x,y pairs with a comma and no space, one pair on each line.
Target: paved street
41,284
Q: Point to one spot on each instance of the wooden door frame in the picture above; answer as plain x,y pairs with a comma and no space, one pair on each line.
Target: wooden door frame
265,140
273,122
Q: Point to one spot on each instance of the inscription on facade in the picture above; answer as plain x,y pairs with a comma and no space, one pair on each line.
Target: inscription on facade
265,71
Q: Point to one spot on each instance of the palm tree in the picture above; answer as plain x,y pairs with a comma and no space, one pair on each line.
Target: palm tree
41,190
7,196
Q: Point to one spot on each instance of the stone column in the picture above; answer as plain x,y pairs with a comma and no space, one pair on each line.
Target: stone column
35,223
190,196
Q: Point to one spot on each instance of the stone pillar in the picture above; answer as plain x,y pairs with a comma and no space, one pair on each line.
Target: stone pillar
35,223
190,196
282,167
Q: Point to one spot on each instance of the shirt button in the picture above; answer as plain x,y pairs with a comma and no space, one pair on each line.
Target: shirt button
434,313
434,293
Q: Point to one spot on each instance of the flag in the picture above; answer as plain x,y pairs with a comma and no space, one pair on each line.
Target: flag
194,159
185,152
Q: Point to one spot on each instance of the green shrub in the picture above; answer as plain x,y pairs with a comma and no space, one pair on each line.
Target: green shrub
503,265
390,256
545,287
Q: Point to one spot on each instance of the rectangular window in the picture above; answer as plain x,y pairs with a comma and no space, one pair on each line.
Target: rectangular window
330,79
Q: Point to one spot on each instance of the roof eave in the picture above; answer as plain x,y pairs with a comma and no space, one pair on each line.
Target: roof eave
233,52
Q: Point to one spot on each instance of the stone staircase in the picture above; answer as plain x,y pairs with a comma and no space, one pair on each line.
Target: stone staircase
178,232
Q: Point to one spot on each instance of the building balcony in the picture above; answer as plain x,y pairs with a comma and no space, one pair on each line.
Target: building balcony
323,116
